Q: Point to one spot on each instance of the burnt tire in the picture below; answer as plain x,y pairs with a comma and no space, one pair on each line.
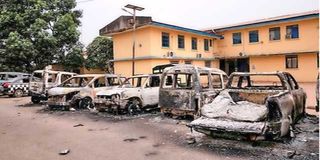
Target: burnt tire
85,103
35,100
18,93
134,107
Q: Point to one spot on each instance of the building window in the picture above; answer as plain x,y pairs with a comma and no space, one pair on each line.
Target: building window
292,32
187,62
206,44
253,36
210,42
194,43
291,61
236,38
174,62
165,39
180,41
207,64
274,33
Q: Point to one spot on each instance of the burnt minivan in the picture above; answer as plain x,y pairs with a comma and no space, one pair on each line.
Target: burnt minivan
184,89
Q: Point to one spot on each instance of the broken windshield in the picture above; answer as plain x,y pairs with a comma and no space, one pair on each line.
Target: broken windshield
77,82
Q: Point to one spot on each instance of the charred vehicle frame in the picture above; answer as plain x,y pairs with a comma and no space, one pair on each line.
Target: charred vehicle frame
42,80
136,94
80,91
254,106
185,89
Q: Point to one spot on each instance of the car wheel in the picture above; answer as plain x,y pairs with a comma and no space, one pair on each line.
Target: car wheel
133,107
18,93
85,103
35,100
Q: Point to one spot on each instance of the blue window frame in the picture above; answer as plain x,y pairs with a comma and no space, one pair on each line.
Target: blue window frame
206,44
274,33
253,36
165,39
180,41
292,32
194,43
236,38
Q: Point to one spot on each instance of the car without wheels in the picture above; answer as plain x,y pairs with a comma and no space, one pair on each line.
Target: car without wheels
185,89
255,106
137,93
42,80
79,91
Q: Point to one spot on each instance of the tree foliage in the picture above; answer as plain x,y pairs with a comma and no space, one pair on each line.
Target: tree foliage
100,52
36,33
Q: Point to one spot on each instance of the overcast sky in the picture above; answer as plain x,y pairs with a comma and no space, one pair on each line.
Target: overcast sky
197,14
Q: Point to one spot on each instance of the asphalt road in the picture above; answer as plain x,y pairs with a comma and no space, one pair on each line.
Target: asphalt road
29,131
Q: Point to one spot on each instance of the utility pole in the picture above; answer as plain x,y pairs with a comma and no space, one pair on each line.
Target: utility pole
133,13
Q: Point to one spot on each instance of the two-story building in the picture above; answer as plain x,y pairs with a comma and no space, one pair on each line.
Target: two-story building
285,43
158,43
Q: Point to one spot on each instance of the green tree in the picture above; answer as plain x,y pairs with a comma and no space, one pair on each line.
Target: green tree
74,59
100,52
36,33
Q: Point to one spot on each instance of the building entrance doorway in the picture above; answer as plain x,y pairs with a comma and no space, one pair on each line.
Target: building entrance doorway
235,65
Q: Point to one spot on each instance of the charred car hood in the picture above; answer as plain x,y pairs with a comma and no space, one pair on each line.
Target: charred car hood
62,91
224,107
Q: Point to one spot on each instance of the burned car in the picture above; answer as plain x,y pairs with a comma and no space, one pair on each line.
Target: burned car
136,94
185,89
254,106
79,91
42,80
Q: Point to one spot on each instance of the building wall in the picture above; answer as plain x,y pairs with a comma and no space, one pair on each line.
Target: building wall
307,70
145,66
122,44
158,50
308,40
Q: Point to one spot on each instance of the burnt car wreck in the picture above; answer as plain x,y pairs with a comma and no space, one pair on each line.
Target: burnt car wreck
79,91
185,89
254,106
136,94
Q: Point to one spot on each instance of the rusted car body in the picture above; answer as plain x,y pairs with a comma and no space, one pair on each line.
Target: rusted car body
254,106
42,80
185,89
136,94
79,91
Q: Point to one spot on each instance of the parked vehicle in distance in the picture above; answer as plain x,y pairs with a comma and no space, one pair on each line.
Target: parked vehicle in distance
254,106
8,76
185,89
16,87
137,93
79,91
42,80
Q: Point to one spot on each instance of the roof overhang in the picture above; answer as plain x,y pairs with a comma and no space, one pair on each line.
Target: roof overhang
271,21
166,26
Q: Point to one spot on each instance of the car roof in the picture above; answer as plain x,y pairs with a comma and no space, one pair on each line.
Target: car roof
258,73
16,73
144,75
90,75
51,71
189,67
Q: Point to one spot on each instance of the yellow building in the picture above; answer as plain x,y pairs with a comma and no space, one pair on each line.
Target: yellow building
285,43
158,43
